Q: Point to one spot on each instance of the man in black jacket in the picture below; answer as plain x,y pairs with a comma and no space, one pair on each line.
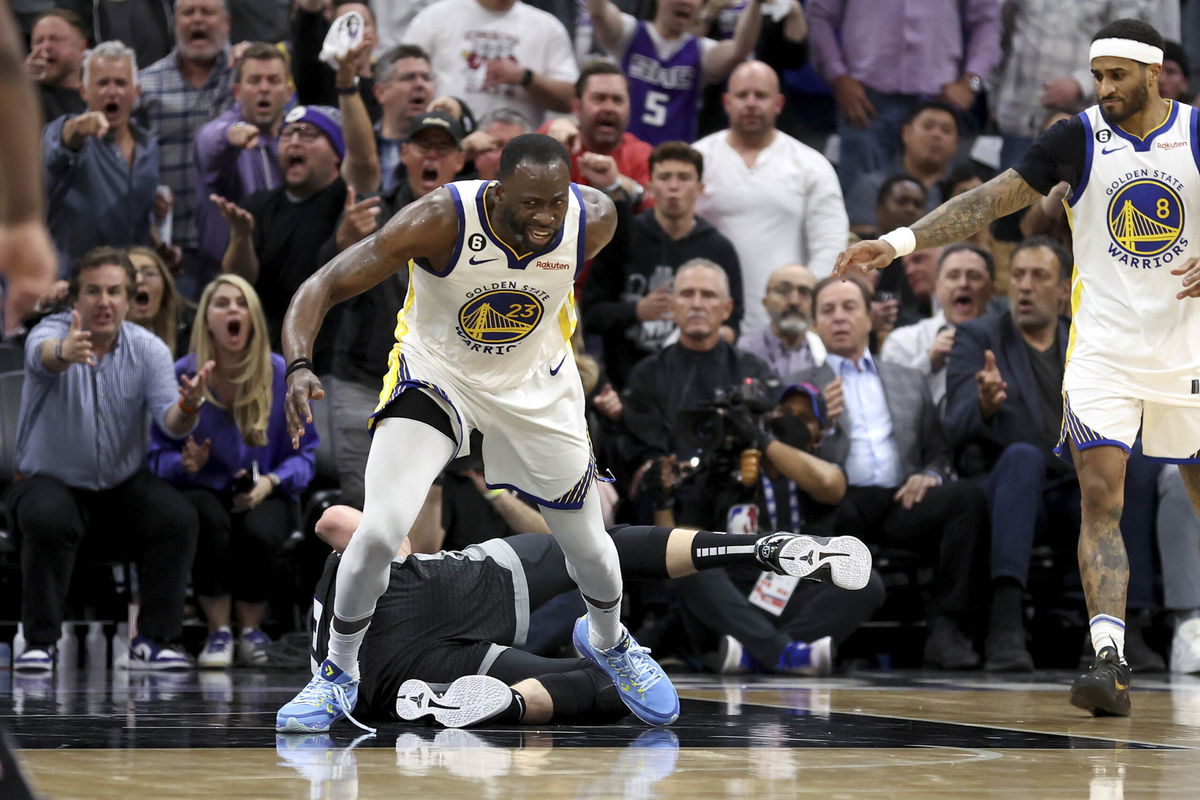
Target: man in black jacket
627,297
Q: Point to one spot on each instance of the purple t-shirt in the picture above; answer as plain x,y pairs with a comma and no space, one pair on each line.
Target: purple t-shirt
664,94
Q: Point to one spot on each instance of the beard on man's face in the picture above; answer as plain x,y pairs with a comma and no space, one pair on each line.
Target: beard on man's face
1136,101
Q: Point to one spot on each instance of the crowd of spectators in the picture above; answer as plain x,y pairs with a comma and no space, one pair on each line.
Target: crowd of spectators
204,157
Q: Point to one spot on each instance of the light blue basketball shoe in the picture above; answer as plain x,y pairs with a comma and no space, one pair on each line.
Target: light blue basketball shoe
643,685
329,696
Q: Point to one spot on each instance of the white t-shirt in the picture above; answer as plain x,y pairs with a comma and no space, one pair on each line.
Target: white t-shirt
786,209
461,36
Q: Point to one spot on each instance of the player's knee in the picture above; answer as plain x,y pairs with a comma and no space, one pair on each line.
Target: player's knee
336,526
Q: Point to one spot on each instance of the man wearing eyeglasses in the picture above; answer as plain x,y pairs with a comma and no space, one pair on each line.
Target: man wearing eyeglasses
788,344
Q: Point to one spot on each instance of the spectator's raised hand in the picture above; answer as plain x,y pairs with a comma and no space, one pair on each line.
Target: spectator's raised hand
77,344
36,66
359,220
195,456
78,130
241,221
883,316
302,386
235,53
243,135
477,143
599,170
567,133
352,62
993,390
191,390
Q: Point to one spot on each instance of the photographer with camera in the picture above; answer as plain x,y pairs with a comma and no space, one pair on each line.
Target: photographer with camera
703,396
237,468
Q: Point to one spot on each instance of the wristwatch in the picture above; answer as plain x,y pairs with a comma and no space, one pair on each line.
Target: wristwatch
974,82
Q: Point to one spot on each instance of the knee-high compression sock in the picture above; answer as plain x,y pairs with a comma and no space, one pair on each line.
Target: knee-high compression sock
643,550
723,549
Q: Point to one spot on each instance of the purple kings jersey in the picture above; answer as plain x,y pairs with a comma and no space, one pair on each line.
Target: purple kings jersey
664,95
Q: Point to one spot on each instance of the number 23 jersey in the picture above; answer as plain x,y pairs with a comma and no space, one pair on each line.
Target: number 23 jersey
493,315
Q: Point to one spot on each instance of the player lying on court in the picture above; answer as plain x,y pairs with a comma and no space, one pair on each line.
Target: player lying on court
482,343
457,617
1133,358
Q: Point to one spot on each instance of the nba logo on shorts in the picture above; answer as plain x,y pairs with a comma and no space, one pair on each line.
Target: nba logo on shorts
743,519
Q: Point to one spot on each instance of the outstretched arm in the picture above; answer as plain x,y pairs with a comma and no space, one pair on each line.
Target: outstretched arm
950,222
424,229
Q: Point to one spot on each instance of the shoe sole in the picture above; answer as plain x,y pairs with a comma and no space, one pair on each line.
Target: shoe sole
294,725
468,701
1096,699
33,668
644,713
848,559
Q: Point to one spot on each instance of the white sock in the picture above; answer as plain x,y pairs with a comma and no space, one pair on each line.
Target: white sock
604,625
343,649
1108,631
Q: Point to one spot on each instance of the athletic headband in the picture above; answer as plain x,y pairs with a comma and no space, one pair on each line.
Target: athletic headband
1127,48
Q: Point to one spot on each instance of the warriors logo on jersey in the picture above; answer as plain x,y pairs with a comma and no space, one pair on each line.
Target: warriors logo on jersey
1145,218
501,316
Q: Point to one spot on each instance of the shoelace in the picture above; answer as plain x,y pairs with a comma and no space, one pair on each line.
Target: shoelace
641,672
314,694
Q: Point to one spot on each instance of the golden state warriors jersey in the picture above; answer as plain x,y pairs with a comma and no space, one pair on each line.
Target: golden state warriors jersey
1134,216
493,315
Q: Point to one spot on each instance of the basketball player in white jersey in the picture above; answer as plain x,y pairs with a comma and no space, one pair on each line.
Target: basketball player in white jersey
482,343
1133,359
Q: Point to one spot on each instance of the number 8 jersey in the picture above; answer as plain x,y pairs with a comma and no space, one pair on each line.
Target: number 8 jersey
492,316
1133,209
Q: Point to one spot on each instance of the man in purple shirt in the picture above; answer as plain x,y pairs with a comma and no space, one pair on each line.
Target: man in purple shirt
881,59
237,154
668,66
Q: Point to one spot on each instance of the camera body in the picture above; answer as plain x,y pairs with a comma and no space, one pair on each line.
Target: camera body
720,429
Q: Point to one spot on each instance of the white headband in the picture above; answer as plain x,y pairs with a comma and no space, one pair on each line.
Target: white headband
1127,48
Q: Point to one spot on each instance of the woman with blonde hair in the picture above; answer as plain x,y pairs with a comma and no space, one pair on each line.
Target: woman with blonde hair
237,467
156,304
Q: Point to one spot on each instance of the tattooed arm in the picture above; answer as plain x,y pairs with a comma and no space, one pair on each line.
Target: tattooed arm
950,222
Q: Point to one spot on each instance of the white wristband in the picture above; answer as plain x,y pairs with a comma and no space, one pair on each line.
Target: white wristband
903,240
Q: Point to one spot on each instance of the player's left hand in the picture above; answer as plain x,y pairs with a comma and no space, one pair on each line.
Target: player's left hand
1190,270
914,489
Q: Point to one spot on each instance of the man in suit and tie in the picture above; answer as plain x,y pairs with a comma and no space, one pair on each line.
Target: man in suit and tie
887,437
1003,419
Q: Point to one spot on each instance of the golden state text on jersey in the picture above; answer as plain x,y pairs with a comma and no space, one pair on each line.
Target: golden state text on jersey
493,314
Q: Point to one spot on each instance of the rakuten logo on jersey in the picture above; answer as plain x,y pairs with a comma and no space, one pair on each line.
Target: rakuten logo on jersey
1171,145
552,265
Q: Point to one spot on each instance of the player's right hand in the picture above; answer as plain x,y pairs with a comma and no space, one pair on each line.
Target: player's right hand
864,256
302,387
